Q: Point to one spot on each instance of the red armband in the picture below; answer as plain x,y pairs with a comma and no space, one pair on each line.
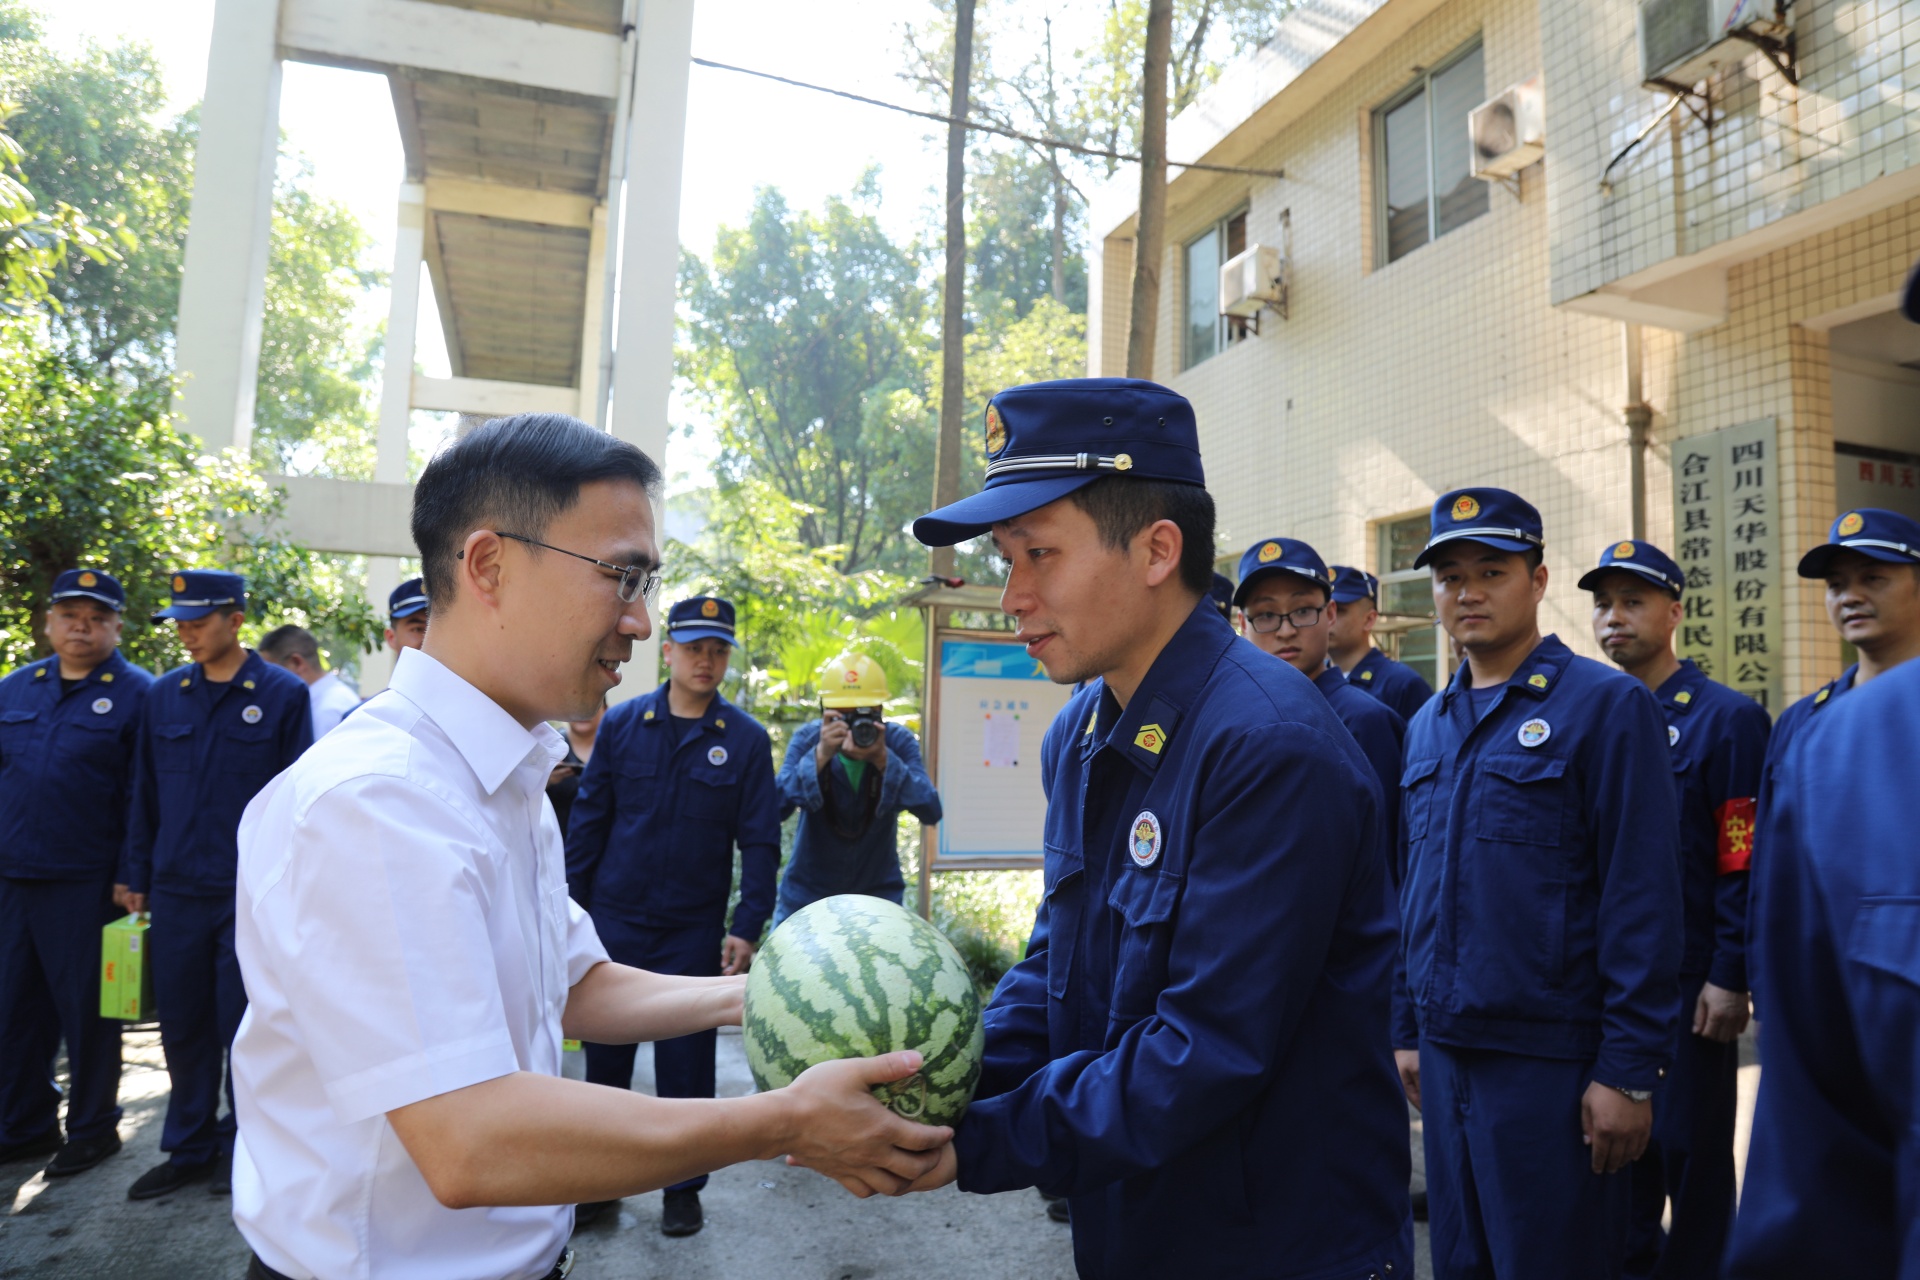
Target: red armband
1736,835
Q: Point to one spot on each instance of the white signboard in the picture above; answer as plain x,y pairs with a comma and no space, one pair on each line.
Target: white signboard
994,704
1726,500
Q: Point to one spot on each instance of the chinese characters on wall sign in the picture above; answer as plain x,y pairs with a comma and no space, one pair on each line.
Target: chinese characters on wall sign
1726,520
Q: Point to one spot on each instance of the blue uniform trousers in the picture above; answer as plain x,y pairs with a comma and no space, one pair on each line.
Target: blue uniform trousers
1690,1158
682,1068
49,989
196,984
1510,1183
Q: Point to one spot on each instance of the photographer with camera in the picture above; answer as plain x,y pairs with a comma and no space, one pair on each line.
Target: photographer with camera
850,773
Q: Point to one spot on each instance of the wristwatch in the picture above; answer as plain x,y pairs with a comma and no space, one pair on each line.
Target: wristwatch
1633,1095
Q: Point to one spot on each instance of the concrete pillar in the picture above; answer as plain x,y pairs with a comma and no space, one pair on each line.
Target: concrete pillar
649,257
593,323
223,283
376,668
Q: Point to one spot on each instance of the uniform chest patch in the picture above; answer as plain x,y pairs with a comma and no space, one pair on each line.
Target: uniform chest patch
717,756
102,705
252,714
1534,732
1143,842
1673,735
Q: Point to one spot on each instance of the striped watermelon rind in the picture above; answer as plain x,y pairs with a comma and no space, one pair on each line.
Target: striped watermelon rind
853,976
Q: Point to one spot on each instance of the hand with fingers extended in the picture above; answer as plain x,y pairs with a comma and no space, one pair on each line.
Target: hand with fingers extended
841,1130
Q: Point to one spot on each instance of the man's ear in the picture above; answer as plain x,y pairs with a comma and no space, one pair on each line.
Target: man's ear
1163,543
480,567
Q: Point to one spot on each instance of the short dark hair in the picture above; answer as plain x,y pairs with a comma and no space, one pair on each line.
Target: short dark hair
1122,506
516,473
1535,557
284,641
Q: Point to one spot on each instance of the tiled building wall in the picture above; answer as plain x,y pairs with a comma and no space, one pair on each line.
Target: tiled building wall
1774,150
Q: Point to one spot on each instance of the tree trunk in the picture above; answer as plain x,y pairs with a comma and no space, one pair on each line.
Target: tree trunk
1152,229
946,467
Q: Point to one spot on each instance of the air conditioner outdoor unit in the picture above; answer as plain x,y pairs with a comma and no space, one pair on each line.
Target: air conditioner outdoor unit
1509,132
1682,42
1254,279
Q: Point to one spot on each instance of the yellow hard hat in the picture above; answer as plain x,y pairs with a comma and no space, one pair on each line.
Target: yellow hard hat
852,680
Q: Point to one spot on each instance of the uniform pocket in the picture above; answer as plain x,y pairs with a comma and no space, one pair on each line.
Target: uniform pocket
1521,799
1066,879
1145,903
1885,930
173,748
1417,790
712,795
16,732
247,751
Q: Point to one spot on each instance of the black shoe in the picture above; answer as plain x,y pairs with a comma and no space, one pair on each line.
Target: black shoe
1420,1205
78,1157
166,1178
1057,1211
680,1215
222,1184
1048,1196
584,1215
44,1145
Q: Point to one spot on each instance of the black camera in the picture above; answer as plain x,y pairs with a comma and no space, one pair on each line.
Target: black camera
864,725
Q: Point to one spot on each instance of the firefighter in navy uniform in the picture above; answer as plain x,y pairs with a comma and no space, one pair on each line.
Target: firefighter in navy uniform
1350,645
1191,1050
212,734
1718,740
678,777
67,726
1541,918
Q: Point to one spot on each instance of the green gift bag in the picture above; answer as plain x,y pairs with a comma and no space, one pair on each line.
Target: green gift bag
126,983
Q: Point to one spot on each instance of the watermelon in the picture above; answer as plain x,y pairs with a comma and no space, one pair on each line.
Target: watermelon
853,976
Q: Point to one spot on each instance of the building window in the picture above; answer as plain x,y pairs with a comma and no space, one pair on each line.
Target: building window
1425,157
1207,331
1406,629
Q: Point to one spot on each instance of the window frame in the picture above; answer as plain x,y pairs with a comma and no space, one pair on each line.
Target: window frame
1421,84
1227,330
1391,627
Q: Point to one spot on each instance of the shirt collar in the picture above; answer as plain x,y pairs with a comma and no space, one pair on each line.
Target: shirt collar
1536,675
1681,690
1329,680
1152,716
492,742
657,707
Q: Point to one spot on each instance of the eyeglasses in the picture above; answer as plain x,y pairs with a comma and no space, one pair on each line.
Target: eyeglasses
635,582
1302,618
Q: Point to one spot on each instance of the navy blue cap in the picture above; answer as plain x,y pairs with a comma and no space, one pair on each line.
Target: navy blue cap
199,592
699,618
1046,439
90,584
1351,584
1221,592
407,599
1643,558
1502,520
1878,534
1281,555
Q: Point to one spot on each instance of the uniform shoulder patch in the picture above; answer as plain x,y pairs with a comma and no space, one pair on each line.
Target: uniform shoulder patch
1143,842
1683,697
1366,675
1538,680
1151,739
1826,692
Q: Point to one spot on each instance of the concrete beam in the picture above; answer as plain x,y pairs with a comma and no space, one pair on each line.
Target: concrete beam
490,399
350,517
1685,303
223,280
515,204
380,35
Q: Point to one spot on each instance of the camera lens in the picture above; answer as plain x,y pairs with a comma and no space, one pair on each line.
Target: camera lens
865,733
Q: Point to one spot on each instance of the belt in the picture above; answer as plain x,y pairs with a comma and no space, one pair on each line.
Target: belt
258,1270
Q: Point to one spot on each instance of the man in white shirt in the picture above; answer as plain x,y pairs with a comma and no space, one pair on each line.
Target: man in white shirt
295,649
411,955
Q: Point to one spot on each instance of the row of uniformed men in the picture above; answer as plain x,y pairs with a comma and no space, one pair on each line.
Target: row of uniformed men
123,792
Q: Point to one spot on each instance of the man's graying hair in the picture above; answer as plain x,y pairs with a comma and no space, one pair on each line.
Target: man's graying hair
513,474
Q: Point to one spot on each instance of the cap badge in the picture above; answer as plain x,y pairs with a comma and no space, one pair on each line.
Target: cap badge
179,583
1123,462
1534,732
1144,841
1623,552
1673,735
1852,523
89,580
102,705
717,756
709,609
996,432
1465,507
252,713
1151,739
1537,680
1269,553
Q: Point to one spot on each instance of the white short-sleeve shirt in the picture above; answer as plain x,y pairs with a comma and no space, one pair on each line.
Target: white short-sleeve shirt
404,930
330,700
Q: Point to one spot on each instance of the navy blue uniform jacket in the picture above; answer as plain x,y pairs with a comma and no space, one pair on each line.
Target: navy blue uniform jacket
1394,683
1719,744
66,764
1542,900
824,863
1382,735
204,751
1833,1176
1194,1049
654,825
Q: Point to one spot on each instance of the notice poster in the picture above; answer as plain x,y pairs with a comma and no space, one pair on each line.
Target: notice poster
1726,519
994,705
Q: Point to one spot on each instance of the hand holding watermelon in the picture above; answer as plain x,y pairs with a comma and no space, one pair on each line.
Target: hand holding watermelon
839,1131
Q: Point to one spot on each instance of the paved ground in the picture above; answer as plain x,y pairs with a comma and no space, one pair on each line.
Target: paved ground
763,1220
